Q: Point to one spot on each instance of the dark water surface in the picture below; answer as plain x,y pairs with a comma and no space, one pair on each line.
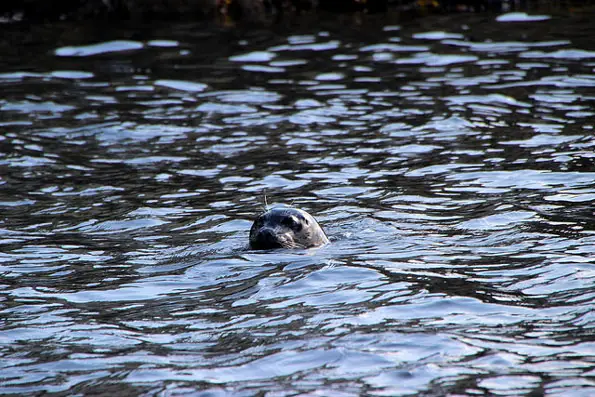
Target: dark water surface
450,159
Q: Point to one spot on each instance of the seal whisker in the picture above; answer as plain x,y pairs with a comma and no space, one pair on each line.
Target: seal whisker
266,205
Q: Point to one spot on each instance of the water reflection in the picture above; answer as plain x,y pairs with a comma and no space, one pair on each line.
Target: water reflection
450,160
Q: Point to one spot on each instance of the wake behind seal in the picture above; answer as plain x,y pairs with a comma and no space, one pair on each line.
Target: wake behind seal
286,227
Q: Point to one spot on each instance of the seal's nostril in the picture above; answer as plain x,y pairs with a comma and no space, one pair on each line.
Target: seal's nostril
267,238
268,235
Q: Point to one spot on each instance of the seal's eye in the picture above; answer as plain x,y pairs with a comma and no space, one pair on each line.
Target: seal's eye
292,223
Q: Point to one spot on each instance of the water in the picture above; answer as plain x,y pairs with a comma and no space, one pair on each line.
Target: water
450,160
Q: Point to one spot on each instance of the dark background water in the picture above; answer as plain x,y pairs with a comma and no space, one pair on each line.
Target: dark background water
449,158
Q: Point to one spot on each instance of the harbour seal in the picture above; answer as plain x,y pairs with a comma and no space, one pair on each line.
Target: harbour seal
286,227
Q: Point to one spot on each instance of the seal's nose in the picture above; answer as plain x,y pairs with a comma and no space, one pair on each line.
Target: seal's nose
269,238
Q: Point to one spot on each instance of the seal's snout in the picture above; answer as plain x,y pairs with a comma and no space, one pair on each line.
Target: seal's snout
267,237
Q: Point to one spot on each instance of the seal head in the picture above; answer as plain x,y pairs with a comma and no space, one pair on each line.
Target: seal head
286,228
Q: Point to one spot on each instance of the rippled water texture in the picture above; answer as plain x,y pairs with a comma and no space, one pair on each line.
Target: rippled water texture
450,160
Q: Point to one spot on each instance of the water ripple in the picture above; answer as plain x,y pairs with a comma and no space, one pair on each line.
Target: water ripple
449,161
